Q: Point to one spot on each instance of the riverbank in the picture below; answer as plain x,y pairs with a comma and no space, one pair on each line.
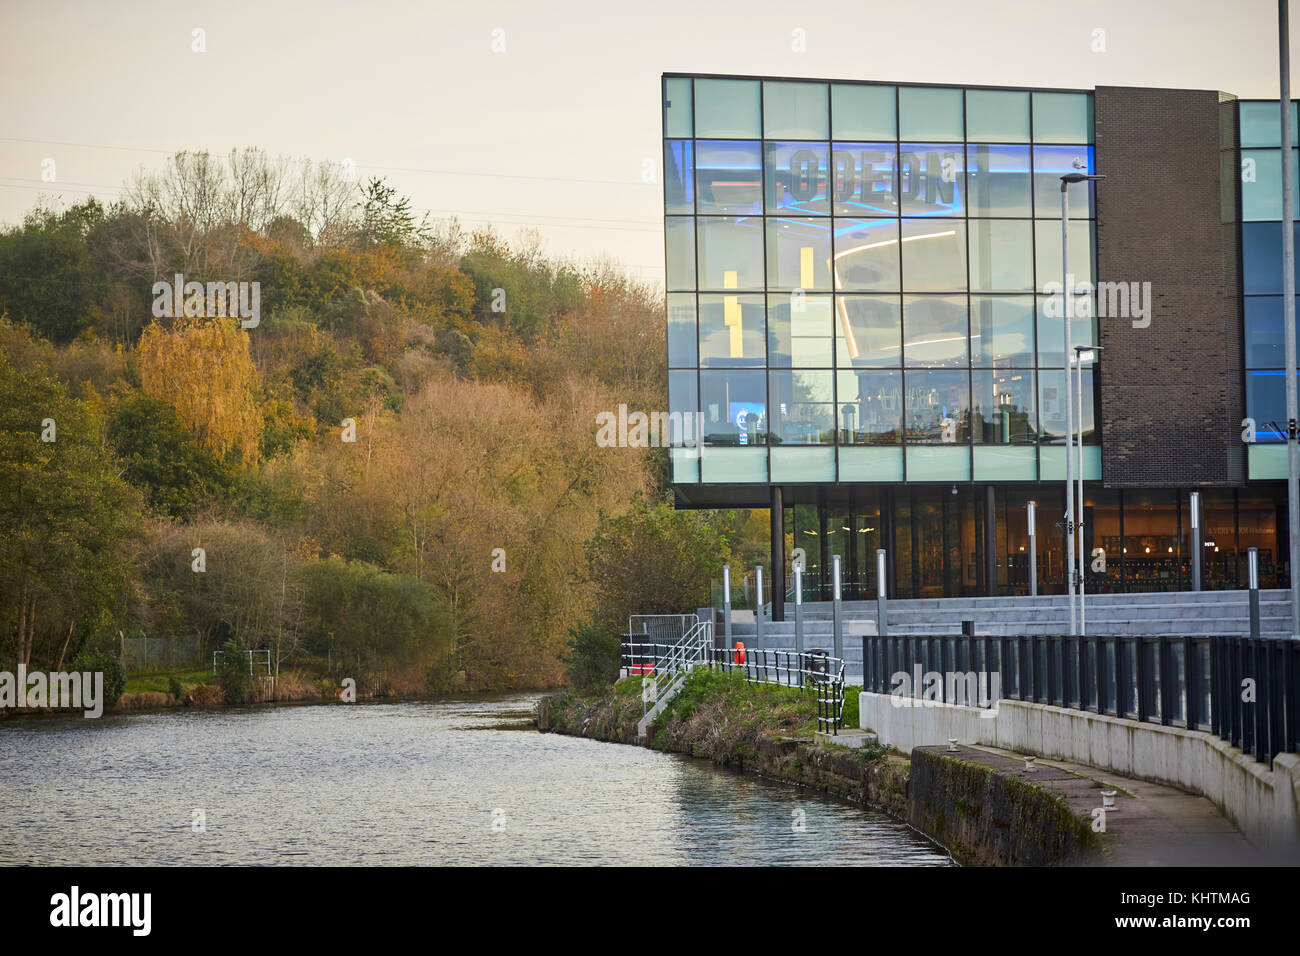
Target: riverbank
981,815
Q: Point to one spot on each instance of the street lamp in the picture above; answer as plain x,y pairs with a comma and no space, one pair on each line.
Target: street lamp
1067,290
1083,566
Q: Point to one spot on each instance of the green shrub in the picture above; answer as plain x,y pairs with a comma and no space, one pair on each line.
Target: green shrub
233,677
111,666
595,657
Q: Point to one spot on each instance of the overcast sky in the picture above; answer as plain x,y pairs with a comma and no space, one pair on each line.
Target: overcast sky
551,133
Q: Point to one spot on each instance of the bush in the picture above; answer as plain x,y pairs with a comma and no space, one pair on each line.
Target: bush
233,677
595,657
174,687
111,666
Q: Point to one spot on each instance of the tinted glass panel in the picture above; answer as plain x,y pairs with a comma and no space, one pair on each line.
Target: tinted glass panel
731,253
863,112
679,247
797,178
1264,332
1001,255
1047,252
938,407
866,255
863,179
928,113
677,107
931,181
732,330
1004,406
729,177
1261,255
1261,124
1002,331
803,407
799,331
727,108
1051,332
1050,164
1062,118
870,407
682,349
796,111
1051,405
934,255
1266,403
679,176
1261,183
735,407
998,181
799,254
934,331
868,331
997,116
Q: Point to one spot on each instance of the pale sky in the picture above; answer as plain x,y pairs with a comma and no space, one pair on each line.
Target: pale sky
553,132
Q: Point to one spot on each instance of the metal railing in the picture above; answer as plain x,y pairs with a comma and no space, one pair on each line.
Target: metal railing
665,663
816,671
661,628
1244,690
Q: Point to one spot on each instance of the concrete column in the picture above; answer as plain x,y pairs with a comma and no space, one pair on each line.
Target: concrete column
777,524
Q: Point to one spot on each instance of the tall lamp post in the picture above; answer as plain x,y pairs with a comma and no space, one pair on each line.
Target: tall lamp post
1083,548
1067,294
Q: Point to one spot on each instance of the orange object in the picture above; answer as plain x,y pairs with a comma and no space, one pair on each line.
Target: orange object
739,654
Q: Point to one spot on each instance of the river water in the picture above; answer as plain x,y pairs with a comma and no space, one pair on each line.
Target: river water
450,782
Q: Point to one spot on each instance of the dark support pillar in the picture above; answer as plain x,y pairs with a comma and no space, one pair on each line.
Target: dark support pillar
991,541
778,555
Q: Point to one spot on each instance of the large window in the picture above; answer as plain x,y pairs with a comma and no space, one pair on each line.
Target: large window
873,266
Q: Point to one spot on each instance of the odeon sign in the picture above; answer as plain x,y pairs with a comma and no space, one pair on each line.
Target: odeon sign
872,173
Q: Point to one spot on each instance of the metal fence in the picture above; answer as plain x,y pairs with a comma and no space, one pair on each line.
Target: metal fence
660,628
143,653
1245,690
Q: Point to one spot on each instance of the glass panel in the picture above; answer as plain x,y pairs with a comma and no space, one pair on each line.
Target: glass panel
679,248
733,465
1001,255
935,331
729,177
798,253
727,108
684,402
682,348
803,407
1062,118
998,181
735,406
796,111
799,331
1050,164
1002,331
1005,463
997,116
862,111
803,464
1051,407
677,107
1261,254
938,407
868,331
731,253
938,464
929,113
1051,332
1047,252
679,176
685,465
732,330
871,464
934,255
1261,183
1266,403
870,407
797,177
931,181
864,179
1003,406
1261,124
866,255
1264,338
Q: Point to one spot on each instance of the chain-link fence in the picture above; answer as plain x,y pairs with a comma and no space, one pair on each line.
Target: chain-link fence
148,653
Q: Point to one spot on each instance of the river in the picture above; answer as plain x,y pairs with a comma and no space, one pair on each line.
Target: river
450,782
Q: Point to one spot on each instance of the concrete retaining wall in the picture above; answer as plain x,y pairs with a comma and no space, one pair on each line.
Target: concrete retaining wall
1263,803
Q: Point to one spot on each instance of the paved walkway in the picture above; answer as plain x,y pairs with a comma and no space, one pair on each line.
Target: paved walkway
1151,825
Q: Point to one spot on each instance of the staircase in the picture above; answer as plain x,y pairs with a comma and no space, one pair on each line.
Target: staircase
1181,613
672,665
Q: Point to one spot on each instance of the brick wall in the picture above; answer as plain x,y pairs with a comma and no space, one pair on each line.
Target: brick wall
1171,394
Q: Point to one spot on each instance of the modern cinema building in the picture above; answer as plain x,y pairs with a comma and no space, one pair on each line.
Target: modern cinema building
863,294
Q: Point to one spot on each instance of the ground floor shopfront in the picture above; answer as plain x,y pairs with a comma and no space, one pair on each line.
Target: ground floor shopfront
972,540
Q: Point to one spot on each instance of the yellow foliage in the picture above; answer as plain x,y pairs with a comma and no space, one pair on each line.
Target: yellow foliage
202,368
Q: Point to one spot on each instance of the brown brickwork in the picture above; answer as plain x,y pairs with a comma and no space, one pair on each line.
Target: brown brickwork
1172,397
